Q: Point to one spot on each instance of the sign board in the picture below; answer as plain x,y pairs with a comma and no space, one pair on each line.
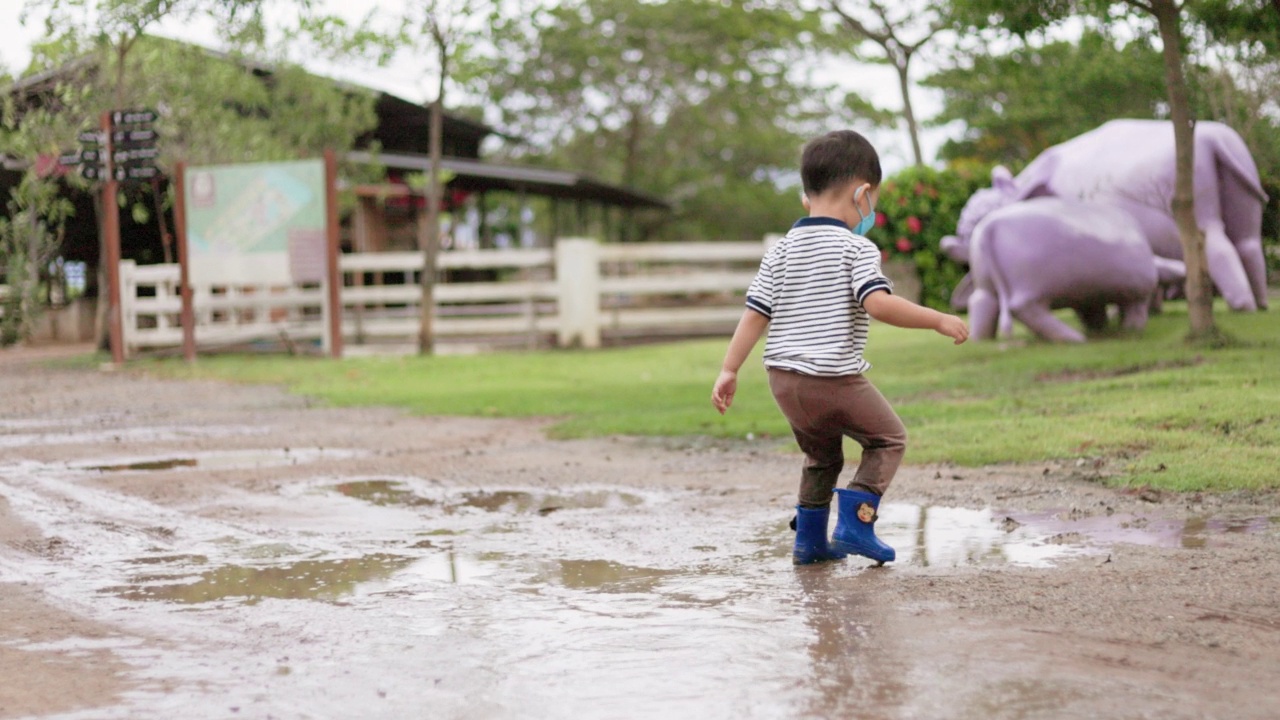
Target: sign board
135,172
243,221
133,117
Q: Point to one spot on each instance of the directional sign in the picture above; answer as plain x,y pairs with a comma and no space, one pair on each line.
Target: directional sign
136,173
136,155
92,172
92,137
90,155
133,117
135,136
67,160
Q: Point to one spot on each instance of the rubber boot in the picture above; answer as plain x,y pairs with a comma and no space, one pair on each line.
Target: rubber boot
855,526
811,537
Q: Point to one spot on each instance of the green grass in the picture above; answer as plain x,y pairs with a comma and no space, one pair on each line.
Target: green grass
1167,414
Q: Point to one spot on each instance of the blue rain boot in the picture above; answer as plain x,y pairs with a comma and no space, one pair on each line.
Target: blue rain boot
855,526
811,537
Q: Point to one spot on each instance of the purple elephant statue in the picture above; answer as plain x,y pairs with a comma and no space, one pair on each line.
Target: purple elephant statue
1129,164
1031,257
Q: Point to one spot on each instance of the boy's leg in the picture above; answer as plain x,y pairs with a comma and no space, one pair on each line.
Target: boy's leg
802,401
869,419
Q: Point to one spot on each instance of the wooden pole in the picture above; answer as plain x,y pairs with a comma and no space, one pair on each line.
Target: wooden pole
331,232
111,232
184,263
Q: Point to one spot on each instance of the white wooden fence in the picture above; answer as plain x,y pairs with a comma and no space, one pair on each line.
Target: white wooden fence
581,293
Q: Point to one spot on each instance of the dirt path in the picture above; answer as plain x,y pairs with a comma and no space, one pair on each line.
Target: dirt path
210,551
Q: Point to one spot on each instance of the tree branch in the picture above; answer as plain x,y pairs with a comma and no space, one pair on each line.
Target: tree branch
857,26
1141,5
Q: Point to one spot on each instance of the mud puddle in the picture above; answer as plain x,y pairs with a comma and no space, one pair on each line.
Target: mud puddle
382,596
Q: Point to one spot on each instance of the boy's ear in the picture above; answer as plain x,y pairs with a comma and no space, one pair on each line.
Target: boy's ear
804,200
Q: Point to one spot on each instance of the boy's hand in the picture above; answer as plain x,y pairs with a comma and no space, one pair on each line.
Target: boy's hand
954,328
722,393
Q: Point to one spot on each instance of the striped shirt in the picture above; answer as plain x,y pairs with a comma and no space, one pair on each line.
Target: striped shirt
811,285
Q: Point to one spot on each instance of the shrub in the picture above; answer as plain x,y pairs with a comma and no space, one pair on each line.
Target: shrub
1271,224
917,207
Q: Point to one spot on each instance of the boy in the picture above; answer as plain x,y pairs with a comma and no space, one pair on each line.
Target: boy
815,292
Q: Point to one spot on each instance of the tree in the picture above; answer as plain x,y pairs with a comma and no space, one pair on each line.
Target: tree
214,108
1025,16
1016,104
704,103
446,29
889,28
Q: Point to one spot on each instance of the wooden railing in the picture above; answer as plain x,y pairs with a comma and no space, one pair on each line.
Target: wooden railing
579,294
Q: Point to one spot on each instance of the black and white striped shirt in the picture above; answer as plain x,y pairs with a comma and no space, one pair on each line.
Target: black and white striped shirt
811,285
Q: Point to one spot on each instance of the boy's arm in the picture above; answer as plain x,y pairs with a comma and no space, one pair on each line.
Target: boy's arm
745,337
889,308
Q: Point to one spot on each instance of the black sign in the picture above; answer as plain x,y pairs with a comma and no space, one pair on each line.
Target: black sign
92,172
136,155
90,155
72,159
133,117
137,173
134,136
92,137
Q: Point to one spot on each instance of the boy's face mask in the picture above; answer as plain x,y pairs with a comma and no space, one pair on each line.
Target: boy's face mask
868,221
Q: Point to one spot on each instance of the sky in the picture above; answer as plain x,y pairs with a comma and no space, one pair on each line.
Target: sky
404,79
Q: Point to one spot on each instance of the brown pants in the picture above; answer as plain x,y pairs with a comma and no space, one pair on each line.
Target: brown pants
822,410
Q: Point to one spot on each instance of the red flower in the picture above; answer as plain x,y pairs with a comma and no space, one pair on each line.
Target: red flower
881,219
919,188
904,245
914,225
902,201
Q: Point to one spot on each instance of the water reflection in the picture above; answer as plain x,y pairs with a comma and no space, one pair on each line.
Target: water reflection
219,460
852,670
305,580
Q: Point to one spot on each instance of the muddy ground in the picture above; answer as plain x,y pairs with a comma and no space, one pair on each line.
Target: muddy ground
202,550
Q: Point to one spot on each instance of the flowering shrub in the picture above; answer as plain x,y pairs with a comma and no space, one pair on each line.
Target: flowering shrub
917,207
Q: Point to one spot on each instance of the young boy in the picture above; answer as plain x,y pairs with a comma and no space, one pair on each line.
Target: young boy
815,292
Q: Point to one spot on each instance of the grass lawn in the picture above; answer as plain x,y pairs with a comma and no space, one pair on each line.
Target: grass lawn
1174,416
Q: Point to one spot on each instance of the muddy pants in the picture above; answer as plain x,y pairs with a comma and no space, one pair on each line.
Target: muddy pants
822,411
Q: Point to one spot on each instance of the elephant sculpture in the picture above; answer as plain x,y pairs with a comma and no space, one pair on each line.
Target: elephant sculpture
1129,164
1031,257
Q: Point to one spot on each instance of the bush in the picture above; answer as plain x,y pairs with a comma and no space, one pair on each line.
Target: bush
1271,224
917,207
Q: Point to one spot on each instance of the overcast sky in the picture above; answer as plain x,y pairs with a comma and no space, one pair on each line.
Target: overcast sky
406,80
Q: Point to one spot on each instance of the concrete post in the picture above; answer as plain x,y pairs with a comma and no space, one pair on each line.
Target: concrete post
578,284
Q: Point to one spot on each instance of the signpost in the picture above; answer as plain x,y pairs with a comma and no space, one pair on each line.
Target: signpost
122,149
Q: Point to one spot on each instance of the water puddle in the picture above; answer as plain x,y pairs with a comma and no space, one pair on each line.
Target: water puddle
388,492
382,493
933,536
304,580
601,576
221,460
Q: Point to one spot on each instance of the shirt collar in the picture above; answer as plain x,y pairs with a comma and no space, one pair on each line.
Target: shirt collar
820,220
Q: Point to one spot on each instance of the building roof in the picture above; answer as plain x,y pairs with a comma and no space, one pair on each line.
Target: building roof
479,176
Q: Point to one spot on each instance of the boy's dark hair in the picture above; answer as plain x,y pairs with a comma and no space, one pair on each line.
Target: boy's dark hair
838,158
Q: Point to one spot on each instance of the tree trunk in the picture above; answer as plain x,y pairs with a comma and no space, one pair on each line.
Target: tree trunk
908,113
430,234
1199,286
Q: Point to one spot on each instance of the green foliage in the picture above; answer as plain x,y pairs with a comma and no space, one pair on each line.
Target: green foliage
917,208
1271,224
1017,104
703,103
1164,413
29,240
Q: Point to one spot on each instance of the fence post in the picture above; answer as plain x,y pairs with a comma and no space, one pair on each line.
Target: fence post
128,305
578,286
